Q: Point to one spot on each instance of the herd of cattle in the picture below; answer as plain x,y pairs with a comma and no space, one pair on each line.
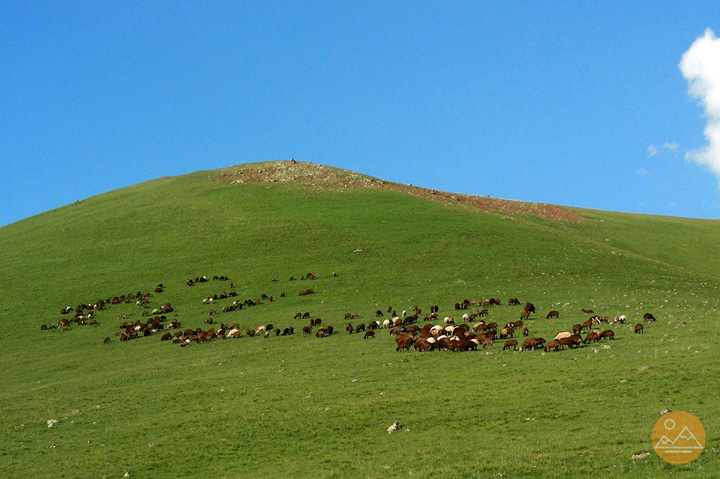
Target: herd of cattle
471,331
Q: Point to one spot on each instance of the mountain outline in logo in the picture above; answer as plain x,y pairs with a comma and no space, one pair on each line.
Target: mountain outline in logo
686,445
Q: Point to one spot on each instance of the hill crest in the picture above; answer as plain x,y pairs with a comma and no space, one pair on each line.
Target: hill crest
326,177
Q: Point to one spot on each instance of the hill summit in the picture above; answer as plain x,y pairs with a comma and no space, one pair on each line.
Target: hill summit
326,177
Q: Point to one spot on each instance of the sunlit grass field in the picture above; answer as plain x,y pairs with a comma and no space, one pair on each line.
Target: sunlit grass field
301,406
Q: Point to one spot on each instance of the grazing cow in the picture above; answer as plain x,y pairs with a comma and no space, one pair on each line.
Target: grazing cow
510,343
320,333
396,330
369,334
524,315
106,340
529,307
591,336
577,328
553,314
525,332
552,345
587,311
560,335
608,334
405,344
513,301
638,328
529,343
378,314
423,345
481,326
360,327
307,330
619,319
349,328
575,340
506,333
648,317
469,344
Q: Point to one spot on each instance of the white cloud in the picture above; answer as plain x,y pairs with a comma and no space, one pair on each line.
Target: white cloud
652,151
670,146
700,65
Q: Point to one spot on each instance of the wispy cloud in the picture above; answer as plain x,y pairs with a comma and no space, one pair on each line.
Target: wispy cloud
700,65
654,150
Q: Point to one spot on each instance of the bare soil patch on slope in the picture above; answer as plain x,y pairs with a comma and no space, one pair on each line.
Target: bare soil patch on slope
326,177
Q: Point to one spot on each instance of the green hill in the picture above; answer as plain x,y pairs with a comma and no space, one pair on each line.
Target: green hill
301,406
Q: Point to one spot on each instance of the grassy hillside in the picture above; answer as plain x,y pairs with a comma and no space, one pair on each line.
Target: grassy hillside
302,406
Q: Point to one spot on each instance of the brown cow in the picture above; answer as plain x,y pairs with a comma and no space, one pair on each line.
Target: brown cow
506,333
396,330
552,345
404,344
423,345
529,343
639,328
608,334
510,343
553,314
369,334
648,317
592,336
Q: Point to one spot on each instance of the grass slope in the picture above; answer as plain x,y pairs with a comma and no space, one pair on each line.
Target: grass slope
308,407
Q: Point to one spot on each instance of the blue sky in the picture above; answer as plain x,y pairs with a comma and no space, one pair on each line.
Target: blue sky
579,105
